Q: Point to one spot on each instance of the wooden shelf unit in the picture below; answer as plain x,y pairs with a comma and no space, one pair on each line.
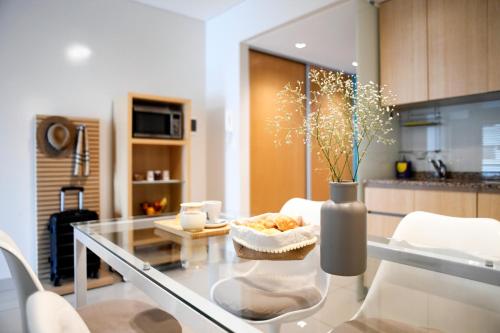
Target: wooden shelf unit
158,142
156,182
140,155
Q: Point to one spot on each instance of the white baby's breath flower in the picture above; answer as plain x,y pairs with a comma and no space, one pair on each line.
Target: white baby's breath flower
344,116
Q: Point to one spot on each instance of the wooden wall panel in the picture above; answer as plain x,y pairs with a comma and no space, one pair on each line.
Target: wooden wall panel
276,173
403,49
458,47
54,173
493,45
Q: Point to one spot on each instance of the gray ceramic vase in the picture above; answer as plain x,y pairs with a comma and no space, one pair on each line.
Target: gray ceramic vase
343,231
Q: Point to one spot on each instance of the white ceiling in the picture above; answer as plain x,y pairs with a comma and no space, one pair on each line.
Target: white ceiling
199,9
329,35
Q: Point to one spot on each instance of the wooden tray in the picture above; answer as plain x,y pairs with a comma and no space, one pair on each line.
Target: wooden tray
174,227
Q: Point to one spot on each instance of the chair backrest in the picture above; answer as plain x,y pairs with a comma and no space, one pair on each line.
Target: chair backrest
48,312
23,276
308,209
435,300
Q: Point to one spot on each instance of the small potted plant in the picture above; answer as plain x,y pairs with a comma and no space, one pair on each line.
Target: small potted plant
342,118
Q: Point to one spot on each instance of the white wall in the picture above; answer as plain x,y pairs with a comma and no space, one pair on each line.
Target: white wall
135,48
226,82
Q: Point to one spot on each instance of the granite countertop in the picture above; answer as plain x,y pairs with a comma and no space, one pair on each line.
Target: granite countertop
469,182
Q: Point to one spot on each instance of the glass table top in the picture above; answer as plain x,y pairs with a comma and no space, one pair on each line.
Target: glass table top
411,283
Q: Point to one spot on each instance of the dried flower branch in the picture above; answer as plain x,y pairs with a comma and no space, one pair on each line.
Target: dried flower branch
344,117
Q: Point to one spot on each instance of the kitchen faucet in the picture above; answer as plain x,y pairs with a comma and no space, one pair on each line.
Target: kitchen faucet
439,168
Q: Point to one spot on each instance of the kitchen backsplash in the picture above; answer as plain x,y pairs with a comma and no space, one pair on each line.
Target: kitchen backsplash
465,136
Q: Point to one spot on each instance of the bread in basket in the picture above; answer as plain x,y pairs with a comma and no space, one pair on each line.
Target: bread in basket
272,236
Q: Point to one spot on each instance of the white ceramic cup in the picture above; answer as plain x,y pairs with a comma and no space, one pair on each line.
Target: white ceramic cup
193,221
212,209
150,176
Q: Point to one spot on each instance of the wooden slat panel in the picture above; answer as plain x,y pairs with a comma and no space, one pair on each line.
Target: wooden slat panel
276,173
51,175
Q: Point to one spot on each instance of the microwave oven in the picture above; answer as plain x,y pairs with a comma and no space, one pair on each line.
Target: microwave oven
156,122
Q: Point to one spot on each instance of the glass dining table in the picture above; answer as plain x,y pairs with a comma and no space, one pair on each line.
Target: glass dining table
205,285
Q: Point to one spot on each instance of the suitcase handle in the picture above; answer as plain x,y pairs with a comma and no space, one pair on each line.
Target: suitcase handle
80,190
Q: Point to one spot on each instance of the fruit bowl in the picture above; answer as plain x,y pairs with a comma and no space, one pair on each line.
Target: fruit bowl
154,208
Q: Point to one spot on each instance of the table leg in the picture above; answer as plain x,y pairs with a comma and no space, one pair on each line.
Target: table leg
80,286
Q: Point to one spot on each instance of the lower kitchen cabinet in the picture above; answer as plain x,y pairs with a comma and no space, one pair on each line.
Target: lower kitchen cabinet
488,205
382,225
458,204
389,200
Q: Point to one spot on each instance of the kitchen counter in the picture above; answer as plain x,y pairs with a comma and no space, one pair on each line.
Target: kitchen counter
453,184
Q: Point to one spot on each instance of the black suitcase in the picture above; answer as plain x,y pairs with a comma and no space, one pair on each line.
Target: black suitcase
61,239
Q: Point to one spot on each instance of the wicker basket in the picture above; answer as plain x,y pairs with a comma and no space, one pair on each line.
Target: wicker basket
297,254
292,244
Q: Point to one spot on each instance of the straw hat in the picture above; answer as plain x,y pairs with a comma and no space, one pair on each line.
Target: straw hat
55,136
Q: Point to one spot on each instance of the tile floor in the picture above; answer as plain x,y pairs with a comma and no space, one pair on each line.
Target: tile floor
341,305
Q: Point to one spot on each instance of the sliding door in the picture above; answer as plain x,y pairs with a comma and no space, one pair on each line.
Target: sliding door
320,172
276,173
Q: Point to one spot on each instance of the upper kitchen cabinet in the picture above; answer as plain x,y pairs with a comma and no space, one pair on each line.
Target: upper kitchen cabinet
494,45
403,49
457,47
437,49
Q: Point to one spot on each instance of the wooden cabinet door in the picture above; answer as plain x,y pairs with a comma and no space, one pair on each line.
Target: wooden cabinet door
382,225
493,45
276,173
488,205
458,204
403,49
457,47
389,200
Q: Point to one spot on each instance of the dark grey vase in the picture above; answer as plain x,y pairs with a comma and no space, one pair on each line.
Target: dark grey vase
343,231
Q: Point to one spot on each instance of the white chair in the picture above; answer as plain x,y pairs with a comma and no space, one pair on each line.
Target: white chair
48,312
125,316
24,278
403,297
296,276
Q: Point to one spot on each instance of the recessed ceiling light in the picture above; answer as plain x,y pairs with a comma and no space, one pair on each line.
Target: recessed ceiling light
301,324
355,63
300,45
78,53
